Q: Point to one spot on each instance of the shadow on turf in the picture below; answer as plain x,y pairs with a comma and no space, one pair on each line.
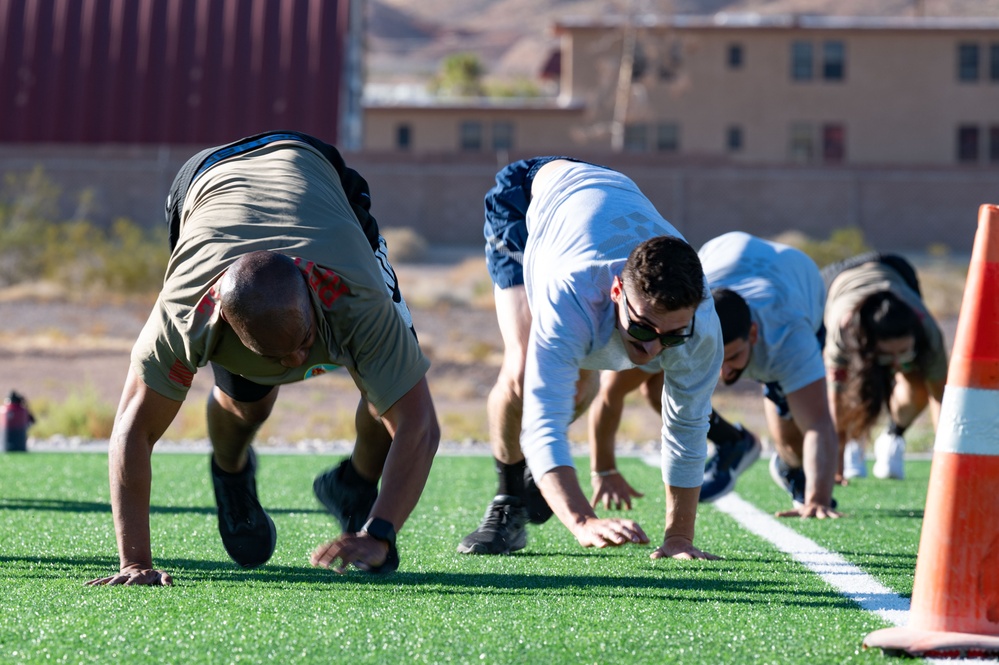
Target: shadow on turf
699,583
101,507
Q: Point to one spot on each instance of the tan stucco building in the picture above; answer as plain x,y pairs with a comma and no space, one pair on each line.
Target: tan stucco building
742,89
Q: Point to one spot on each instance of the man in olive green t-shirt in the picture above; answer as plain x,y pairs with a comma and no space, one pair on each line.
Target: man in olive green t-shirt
277,274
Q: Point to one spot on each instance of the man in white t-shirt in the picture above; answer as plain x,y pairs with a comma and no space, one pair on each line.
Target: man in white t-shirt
769,298
587,276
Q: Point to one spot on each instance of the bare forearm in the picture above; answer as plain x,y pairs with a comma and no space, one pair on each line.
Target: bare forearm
605,417
681,511
405,475
561,490
130,476
820,457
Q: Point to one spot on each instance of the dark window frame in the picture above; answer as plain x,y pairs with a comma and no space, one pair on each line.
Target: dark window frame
802,61
470,136
968,139
834,60
735,58
968,62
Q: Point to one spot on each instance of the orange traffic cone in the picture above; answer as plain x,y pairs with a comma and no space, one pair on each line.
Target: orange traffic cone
955,595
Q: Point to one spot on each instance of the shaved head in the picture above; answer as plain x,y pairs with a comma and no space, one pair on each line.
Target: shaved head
265,299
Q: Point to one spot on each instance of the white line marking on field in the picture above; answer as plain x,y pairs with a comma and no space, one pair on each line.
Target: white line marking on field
839,573
836,571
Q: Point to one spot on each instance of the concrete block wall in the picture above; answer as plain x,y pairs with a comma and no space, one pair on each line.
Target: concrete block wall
441,197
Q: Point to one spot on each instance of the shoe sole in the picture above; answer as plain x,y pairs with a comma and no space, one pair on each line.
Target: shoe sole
479,548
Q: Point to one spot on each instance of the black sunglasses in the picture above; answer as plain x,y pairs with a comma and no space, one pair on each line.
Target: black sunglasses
644,333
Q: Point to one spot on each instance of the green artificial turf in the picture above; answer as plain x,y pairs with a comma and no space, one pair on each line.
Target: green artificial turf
553,602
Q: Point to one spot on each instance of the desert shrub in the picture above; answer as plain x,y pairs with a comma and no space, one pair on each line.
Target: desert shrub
841,244
35,245
405,245
81,413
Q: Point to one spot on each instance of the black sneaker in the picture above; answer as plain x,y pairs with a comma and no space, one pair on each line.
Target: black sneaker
538,510
790,480
349,503
503,529
248,533
727,464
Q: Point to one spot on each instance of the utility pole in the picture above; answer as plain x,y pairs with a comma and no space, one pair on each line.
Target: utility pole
623,94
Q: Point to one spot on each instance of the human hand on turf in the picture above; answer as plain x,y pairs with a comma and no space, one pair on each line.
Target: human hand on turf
613,490
596,532
679,547
816,510
135,575
358,549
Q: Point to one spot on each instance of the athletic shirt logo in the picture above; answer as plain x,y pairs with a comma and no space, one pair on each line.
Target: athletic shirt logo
317,370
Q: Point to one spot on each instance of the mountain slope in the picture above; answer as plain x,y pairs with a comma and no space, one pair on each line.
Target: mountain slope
407,40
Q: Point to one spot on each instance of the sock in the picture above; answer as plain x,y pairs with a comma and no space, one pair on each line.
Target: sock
511,478
722,432
895,429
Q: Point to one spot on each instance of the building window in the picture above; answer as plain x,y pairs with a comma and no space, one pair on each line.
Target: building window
403,137
636,138
967,144
470,135
735,56
994,62
802,146
733,138
801,61
502,136
967,62
668,137
833,144
833,61
994,144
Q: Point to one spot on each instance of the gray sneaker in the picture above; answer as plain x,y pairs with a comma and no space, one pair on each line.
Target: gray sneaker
503,529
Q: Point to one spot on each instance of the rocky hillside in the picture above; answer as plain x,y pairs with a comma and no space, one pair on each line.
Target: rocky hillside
407,40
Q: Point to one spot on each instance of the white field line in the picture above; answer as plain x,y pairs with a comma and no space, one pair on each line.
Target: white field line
836,571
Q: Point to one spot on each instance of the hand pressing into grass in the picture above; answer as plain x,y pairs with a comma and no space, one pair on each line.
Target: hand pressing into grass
135,575
596,532
358,549
678,547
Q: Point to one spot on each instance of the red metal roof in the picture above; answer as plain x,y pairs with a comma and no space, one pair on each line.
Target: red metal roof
169,71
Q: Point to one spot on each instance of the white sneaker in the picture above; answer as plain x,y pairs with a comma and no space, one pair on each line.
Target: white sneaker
854,465
889,456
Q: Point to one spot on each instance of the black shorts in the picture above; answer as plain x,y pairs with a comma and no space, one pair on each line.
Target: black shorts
237,387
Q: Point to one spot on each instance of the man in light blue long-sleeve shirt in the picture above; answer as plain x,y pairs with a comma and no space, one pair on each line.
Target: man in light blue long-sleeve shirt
589,276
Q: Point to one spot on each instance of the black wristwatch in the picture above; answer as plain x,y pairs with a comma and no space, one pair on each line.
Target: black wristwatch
382,530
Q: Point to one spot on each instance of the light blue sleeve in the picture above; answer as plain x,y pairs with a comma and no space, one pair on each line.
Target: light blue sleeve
562,331
690,374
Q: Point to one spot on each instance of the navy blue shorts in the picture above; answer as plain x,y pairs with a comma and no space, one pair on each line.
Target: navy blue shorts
506,220
773,391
